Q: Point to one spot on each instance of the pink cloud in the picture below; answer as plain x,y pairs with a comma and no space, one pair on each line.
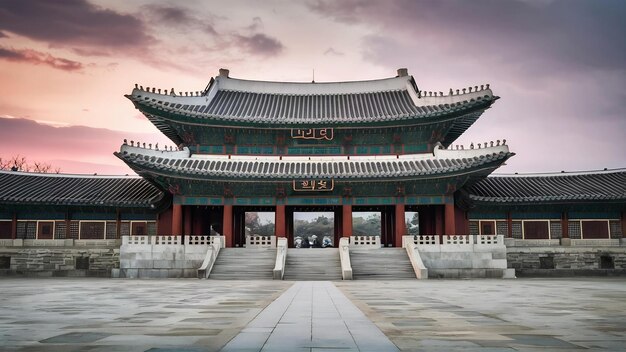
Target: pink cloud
75,149
38,58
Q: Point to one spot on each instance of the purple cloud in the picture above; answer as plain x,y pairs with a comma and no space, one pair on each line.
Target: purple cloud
39,58
333,52
259,44
180,17
565,32
72,23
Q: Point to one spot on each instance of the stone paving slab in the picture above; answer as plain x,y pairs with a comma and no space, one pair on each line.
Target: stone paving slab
90,314
497,315
311,316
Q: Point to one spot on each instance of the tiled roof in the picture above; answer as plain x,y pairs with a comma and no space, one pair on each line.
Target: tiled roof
278,103
415,166
587,186
53,189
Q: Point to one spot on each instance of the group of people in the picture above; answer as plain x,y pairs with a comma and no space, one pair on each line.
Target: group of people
313,242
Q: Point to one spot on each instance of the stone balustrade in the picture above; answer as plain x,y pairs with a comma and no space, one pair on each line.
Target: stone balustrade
457,239
166,240
166,256
211,255
365,241
136,240
344,258
254,241
281,258
458,256
489,239
420,270
423,239
197,240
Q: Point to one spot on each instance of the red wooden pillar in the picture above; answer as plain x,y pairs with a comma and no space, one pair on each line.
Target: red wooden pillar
197,218
227,225
118,224
509,225
279,221
177,219
400,224
187,220
623,221
347,220
14,226
564,225
450,227
438,220
68,223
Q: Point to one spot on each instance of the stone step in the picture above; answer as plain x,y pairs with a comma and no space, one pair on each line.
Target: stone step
244,264
381,264
312,264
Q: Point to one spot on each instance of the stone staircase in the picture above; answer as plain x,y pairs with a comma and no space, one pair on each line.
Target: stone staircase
381,264
312,264
244,264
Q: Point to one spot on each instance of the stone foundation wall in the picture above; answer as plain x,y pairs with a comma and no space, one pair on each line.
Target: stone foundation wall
567,261
58,261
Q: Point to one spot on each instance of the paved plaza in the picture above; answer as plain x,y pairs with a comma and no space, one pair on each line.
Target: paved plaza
209,315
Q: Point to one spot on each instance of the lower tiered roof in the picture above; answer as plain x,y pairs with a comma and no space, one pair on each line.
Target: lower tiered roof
609,185
441,163
78,190
18,188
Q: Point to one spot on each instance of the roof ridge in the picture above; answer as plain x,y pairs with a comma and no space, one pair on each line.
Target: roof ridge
68,175
561,173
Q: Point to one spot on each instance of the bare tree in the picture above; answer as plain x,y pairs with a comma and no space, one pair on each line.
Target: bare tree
5,164
20,163
41,167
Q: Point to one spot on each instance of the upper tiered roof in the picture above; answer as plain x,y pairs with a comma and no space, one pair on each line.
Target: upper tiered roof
228,101
551,188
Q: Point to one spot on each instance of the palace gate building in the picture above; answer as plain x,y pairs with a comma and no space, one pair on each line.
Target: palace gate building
379,145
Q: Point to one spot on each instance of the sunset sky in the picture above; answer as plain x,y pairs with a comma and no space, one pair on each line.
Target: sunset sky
559,67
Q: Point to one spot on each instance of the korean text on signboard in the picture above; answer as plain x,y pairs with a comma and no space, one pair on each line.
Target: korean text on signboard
313,185
312,133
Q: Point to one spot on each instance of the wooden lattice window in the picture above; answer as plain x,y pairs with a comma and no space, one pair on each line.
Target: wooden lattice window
125,228
92,230
60,229
502,228
74,226
5,228
573,229
27,229
556,230
487,228
536,230
45,230
595,228
615,227
111,230
139,228
473,227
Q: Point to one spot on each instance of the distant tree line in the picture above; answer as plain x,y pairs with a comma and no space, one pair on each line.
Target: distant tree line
20,163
